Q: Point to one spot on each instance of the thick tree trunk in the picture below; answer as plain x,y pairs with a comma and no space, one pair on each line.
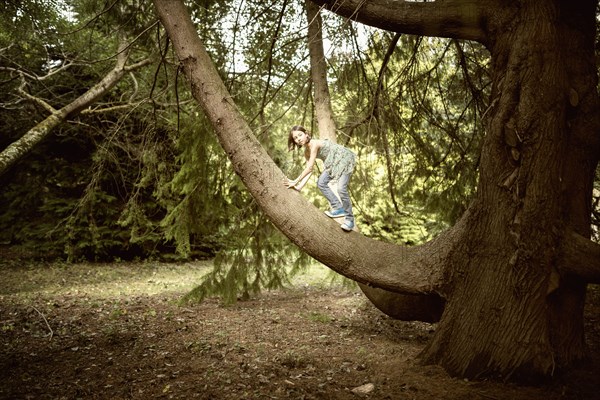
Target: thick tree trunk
509,311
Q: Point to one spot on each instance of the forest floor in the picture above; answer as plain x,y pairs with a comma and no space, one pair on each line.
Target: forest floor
117,331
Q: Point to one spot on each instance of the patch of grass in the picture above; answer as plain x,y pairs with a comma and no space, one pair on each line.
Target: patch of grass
7,326
97,282
316,316
361,352
117,313
102,281
199,346
291,359
316,275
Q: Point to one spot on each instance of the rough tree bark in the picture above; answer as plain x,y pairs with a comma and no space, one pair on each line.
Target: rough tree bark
19,148
509,270
318,73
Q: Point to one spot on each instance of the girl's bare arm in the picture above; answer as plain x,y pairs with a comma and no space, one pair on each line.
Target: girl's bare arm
311,158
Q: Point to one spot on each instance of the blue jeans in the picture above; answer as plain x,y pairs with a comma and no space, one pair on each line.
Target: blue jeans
346,204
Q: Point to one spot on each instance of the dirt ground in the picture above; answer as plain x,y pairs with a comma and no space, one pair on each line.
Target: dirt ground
118,332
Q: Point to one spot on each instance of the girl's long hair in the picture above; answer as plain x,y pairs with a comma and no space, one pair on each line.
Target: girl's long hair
291,144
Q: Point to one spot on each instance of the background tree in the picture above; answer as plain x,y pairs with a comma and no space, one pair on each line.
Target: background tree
514,268
142,190
22,146
100,186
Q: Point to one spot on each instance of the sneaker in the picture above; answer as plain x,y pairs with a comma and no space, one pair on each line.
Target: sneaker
348,226
335,213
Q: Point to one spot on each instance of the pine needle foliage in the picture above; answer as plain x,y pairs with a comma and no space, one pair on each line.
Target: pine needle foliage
196,198
257,257
416,124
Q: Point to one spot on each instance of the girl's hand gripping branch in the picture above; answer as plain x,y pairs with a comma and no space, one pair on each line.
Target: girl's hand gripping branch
297,184
291,184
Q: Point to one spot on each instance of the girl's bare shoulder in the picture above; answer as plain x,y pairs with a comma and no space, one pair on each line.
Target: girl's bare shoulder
311,149
315,143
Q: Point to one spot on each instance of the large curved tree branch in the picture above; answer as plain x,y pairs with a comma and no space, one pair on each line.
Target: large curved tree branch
413,270
29,140
458,19
581,257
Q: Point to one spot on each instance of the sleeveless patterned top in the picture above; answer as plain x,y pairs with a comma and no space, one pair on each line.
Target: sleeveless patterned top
337,159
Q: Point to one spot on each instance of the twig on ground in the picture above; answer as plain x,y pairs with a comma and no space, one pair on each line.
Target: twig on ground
46,321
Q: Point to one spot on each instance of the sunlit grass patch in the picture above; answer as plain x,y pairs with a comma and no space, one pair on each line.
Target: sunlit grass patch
319,276
103,280
97,282
319,317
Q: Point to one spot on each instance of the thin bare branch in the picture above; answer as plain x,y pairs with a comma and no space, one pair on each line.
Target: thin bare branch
29,140
34,99
274,38
51,334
